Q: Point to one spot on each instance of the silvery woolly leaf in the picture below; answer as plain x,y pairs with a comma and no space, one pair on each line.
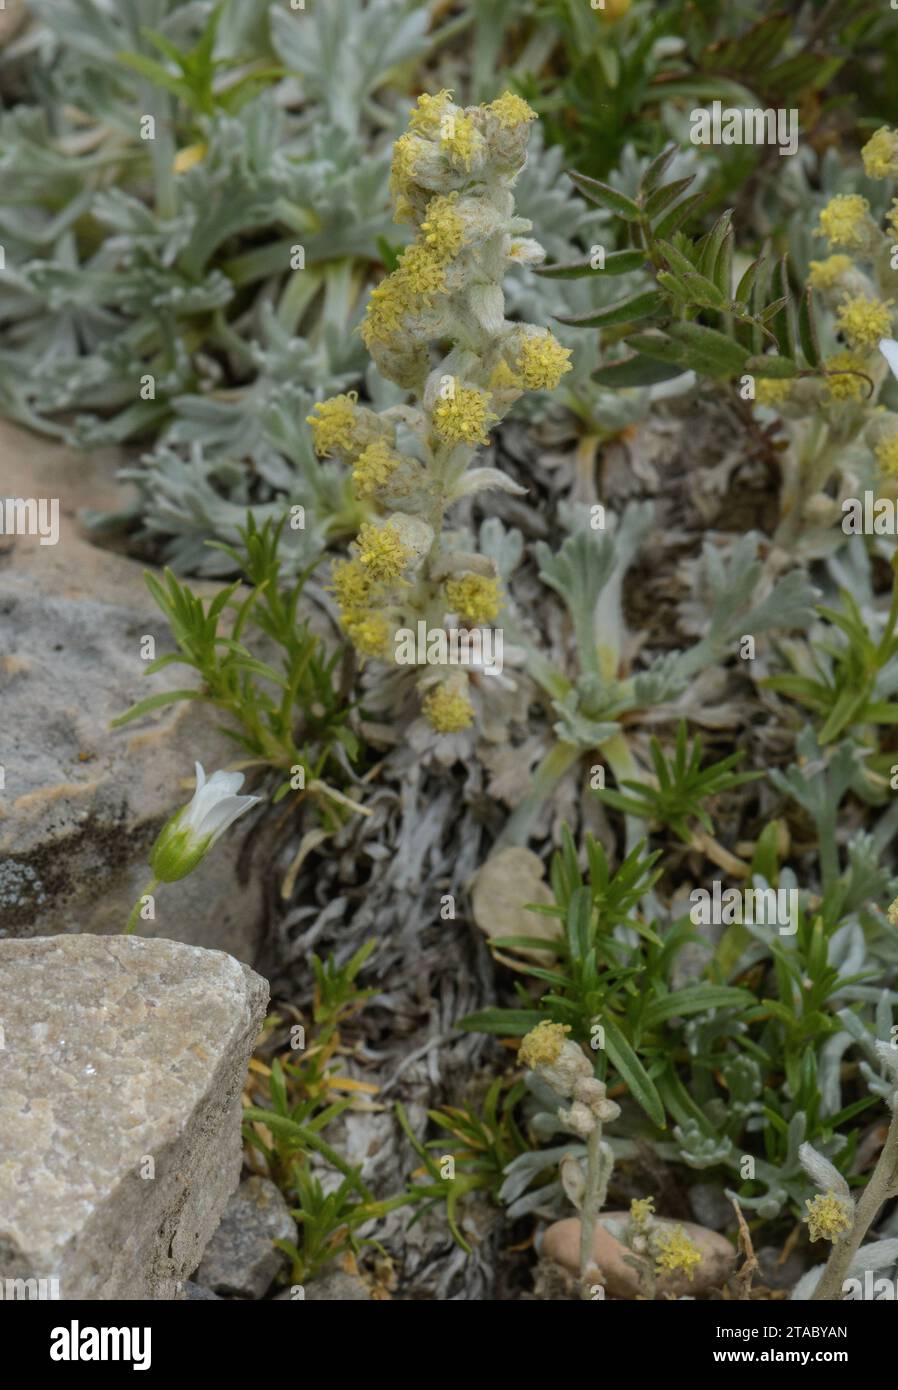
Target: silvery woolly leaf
806,1285
889,349
887,1053
483,479
821,1171
572,1179
879,1254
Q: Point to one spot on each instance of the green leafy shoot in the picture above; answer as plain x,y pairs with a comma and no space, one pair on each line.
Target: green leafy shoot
847,666
293,717
199,78
683,787
480,1144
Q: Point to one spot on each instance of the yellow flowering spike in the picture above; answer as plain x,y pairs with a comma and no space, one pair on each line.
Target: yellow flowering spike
642,1209
462,417
334,426
864,321
825,274
448,711
474,597
893,913
511,110
844,386
880,154
369,632
374,468
772,391
351,583
843,220
828,1217
427,116
886,452
381,551
458,137
443,227
542,362
543,1044
674,1250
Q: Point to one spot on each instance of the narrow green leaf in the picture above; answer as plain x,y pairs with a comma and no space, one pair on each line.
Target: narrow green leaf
605,196
165,697
616,263
635,370
639,306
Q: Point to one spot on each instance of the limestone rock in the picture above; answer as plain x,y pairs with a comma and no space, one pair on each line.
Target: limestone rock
561,1243
81,804
241,1259
121,1073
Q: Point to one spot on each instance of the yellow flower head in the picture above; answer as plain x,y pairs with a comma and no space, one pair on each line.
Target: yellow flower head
642,1209
374,468
459,138
844,386
474,597
880,154
369,632
443,228
428,115
893,913
864,321
772,390
462,417
543,1044
542,362
447,710
886,452
502,378
407,153
674,1250
511,111
334,426
421,272
381,551
351,582
825,274
828,1217
844,220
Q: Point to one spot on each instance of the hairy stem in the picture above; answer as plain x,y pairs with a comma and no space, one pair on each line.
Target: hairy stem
882,1185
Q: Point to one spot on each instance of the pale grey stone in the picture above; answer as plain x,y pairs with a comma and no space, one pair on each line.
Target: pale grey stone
81,804
711,1206
121,1057
241,1260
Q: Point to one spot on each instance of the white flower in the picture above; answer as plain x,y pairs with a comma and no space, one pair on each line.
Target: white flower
192,831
